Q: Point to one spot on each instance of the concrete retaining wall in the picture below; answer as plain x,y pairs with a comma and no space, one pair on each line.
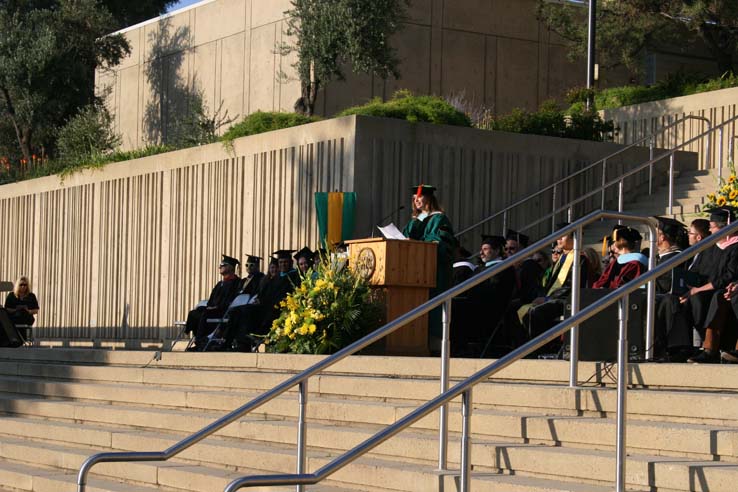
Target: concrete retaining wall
148,233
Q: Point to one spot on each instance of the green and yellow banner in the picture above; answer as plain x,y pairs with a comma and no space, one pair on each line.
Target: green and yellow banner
336,217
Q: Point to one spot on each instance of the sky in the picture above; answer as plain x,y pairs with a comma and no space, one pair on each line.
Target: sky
180,4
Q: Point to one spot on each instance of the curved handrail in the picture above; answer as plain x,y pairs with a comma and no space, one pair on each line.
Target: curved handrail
302,377
465,385
587,168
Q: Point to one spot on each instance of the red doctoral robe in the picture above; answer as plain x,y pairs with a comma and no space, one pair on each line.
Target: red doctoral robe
621,271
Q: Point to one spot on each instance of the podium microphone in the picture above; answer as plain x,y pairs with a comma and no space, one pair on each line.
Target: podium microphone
401,207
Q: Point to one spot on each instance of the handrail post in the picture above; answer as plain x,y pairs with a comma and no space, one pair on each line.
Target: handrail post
651,296
650,167
708,149
671,184
443,413
576,275
720,147
570,214
553,208
301,452
466,411
604,181
504,222
623,307
621,185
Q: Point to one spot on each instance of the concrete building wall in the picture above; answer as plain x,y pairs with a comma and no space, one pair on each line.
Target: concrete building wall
641,120
148,233
494,52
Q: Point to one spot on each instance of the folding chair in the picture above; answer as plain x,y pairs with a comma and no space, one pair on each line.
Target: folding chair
240,300
183,330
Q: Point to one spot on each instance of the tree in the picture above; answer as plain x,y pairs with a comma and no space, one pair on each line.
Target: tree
330,34
627,28
127,12
48,55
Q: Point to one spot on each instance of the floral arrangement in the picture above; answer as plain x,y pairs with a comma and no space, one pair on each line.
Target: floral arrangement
332,307
727,192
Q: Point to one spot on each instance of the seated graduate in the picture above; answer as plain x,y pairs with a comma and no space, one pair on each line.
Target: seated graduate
720,321
464,265
256,318
252,280
701,270
544,311
629,263
671,239
220,298
304,260
528,273
21,304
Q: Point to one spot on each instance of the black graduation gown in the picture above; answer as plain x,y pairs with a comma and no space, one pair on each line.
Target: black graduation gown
726,272
701,269
250,285
220,298
486,305
672,324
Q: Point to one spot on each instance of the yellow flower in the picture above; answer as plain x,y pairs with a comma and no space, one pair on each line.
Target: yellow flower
711,197
733,194
312,328
731,178
721,201
303,330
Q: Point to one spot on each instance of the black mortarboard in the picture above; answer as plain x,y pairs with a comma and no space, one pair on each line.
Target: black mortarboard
306,252
253,259
272,261
229,260
516,236
670,227
422,189
627,233
724,214
496,242
284,254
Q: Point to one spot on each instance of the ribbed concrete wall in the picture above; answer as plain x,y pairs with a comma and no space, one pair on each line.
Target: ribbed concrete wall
640,120
148,233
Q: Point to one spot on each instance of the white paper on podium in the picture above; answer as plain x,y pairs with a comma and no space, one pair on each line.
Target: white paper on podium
391,232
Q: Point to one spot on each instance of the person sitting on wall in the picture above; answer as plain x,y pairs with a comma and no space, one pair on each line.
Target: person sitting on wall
21,304
220,298
629,263
254,320
544,311
720,321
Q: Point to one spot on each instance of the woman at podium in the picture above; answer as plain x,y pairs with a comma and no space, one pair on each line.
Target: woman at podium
429,223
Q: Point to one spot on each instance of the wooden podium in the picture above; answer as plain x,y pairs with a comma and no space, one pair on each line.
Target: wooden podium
404,271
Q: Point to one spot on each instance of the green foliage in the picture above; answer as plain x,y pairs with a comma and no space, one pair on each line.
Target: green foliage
87,134
332,34
127,13
261,122
48,54
550,120
627,29
675,85
405,106
332,308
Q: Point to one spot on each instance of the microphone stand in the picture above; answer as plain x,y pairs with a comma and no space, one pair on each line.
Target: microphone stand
402,207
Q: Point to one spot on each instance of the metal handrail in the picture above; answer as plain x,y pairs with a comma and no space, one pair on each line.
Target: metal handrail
444,299
620,179
464,387
602,161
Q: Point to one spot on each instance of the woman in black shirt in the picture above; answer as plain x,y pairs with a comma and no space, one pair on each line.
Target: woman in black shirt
21,304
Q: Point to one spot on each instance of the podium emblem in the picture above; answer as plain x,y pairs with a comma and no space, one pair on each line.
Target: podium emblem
366,263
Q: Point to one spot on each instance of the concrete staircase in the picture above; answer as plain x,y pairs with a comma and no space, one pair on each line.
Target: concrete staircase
690,189
531,432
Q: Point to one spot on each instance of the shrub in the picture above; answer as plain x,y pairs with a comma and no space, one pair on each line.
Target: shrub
88,134
405,106
260,122
550,120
